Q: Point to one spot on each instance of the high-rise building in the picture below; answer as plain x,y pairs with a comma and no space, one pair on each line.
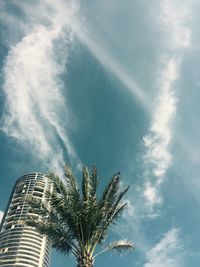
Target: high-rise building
21,245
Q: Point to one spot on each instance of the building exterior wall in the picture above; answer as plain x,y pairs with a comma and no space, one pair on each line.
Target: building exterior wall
21,245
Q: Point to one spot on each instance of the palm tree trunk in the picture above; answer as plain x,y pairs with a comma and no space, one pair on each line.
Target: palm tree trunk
85,261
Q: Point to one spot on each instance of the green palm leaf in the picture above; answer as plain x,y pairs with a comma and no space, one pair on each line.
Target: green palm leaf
120,246
77,221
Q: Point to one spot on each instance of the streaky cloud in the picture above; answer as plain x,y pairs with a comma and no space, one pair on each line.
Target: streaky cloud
173,18
167,252
158,140
35,105
111,64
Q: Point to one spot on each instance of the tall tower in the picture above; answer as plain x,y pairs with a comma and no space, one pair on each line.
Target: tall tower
21,245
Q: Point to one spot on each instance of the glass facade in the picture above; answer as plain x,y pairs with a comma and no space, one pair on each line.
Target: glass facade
21,245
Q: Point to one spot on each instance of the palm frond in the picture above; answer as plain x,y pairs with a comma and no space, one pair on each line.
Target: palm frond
93,179
119,245
72,187
77,222
86,185
37,206
60,239
110,212
110,193
116,207
89,184
101,234
53,212
58,183
66,212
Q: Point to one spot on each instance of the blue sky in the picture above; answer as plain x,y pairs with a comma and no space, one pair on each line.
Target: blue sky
116,84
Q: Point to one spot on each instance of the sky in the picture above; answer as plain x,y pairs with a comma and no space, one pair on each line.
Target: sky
116,84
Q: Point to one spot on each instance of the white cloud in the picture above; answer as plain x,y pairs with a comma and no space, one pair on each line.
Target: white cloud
110,63
166,253
173,18
151,194
1,215
35,106
129,211
157,141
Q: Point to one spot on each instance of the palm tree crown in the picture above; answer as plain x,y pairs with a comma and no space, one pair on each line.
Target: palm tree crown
76,220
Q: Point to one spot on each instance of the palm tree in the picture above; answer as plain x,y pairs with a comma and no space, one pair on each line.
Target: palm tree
75,220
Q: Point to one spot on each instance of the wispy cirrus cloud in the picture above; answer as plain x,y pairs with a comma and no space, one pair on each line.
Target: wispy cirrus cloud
167,252
157,156
110,63
36,113
173,17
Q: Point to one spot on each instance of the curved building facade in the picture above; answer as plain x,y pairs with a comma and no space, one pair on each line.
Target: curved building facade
21,245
